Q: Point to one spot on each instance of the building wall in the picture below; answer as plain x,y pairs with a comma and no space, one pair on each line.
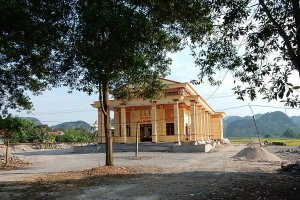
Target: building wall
216,128
165,114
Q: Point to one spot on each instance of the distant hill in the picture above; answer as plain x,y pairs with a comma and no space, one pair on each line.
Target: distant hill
229,119
274,123
34,120
296,120
70,125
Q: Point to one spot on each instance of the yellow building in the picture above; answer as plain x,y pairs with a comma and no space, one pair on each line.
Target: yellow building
182,116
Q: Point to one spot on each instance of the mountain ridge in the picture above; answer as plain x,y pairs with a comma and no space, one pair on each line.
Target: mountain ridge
271,123
72,124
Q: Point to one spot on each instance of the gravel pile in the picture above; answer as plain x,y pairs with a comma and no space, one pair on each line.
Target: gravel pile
256,153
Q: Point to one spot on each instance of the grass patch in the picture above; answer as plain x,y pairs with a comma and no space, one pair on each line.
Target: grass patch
287,141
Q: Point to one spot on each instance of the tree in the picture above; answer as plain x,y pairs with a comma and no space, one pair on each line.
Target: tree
290,133
11,125
257,41
124,44
40,134
31,35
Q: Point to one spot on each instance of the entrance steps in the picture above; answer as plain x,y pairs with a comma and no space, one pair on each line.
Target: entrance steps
146,147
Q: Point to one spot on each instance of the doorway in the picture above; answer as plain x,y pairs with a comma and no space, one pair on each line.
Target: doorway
146,132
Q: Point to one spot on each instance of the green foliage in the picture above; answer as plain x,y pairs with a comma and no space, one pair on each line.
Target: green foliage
15,129
258,42
289,133
268,136
39,134
124,44
20,130
75,135
31,37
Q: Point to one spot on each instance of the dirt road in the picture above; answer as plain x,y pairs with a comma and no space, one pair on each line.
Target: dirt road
154,176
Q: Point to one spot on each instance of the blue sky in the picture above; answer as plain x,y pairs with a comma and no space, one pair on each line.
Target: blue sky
57,105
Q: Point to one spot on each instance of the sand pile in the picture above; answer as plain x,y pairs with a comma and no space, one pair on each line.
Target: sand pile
256,153
253,143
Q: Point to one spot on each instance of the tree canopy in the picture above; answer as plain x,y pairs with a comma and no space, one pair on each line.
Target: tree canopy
258,42
124,44
31,35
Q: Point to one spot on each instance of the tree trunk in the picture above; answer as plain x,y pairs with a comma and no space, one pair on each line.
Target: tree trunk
6,153
107,128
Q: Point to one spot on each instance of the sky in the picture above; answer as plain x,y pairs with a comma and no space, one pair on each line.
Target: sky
57,105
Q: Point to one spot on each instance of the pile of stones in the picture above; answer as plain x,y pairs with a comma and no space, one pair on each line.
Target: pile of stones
291,168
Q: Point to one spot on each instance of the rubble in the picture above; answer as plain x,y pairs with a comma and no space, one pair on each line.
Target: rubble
13,159
291,168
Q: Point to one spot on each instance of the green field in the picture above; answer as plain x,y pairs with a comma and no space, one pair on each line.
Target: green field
287,141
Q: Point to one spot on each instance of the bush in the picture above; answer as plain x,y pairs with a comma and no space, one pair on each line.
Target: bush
278,143
75,135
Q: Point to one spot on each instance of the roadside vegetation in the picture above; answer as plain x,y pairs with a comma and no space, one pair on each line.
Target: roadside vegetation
270,140
28,132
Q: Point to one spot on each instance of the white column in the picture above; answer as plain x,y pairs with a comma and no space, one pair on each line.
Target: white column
123,124
209,126
193,121
176,121
202,124
153,122
221,124
198,117
99,126
101,131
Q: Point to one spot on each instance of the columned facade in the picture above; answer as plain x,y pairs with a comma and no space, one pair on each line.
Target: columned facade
181,116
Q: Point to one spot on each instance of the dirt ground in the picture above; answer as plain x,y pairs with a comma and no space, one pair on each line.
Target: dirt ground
214,175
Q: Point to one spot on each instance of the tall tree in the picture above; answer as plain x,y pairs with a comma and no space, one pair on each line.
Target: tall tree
258,41
124,44
31,35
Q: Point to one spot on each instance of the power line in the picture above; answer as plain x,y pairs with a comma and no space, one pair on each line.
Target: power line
63,112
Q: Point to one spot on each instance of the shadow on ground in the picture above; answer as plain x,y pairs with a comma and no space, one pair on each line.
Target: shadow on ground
187,185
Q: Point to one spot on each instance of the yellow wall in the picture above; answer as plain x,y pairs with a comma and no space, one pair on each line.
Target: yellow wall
184,118
216,128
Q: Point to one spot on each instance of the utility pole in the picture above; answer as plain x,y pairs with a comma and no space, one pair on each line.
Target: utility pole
255,124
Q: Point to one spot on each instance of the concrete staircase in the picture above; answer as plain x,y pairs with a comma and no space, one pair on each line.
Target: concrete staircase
146,147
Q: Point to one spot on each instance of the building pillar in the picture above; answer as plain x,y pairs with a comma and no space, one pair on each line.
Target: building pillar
198,120
123,124
176,121
202,125
222,129
154,122
209,126
193,121
101,133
